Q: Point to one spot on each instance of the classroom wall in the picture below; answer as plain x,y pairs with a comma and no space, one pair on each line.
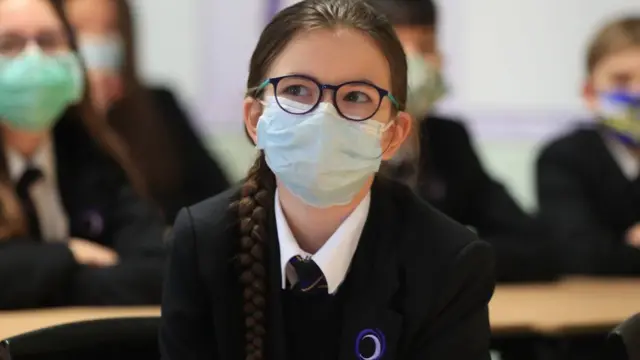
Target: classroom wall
514,68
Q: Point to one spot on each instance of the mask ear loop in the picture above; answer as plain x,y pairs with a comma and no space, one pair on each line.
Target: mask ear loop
383,131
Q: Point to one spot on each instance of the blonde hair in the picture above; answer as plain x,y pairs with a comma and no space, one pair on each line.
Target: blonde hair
616,36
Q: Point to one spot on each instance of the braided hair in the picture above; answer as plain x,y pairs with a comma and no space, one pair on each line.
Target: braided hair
256,195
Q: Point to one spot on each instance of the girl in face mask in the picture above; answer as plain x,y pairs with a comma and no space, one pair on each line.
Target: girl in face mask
588,185
314,256
177,169
71,229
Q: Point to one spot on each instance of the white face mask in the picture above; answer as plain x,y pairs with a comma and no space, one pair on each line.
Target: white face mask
102,52
320,157
425,86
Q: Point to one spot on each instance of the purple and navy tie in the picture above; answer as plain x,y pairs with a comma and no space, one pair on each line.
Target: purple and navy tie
311,280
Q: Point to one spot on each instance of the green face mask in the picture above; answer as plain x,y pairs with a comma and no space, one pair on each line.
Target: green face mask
425,86
35,89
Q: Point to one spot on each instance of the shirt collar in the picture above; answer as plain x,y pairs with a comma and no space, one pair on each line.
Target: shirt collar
334,257
628,163
42,159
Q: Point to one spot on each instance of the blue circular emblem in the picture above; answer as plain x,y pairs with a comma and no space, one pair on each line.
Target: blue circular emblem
370,344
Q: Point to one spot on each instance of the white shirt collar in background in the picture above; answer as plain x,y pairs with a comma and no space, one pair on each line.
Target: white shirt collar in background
44,193
627,162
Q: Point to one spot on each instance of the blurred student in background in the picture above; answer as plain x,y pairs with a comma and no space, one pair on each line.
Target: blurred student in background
588,184
72,230
442,165
177,168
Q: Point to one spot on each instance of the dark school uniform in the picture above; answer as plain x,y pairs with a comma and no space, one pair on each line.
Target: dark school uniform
417,288
452,179
589,195
100,206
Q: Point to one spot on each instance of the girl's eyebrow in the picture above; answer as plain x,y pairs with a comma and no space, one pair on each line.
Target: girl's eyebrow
361,80
364,80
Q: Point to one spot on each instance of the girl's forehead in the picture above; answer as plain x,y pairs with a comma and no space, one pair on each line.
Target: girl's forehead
28,17
333,56
93,16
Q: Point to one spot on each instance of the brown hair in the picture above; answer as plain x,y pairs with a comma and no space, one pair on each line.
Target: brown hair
136,120
408,12
256,195
616,36
12,218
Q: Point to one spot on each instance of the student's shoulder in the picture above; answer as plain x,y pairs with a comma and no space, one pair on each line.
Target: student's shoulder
446,267
443,125
432,235
169,104
208,223
162,94
580,142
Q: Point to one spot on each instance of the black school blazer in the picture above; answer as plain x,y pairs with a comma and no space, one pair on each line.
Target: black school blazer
420,278
588,202
452,179
101,207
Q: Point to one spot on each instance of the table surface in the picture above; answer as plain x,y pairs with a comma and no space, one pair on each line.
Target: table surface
18,322
566,306
570,305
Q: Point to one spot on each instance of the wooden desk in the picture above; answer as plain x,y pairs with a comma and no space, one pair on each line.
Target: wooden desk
568,306
17,322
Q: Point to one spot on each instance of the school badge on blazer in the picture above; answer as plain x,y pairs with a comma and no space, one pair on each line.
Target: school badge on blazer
91,223
370,344
370,332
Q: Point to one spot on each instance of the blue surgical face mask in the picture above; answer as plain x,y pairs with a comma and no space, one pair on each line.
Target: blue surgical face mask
102,52
320,157
619,112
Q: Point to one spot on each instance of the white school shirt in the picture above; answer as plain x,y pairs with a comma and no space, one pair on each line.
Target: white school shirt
334,257
627,162
44,192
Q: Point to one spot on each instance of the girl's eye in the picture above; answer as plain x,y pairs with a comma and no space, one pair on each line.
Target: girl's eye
357,97
297,90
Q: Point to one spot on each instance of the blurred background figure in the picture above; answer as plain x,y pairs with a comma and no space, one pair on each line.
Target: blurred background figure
588,183
442,165
177,168
72,229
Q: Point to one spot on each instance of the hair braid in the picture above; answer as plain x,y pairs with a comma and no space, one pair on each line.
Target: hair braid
256,198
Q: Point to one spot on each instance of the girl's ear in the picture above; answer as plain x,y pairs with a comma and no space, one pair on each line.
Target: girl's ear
252,109
397,134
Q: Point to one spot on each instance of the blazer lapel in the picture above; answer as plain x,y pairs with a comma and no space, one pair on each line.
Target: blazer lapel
276,338
371,328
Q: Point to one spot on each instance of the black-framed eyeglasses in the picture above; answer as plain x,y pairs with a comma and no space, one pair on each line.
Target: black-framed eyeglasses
354,100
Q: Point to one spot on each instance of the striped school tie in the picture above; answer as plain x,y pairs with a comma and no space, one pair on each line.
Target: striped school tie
311,280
